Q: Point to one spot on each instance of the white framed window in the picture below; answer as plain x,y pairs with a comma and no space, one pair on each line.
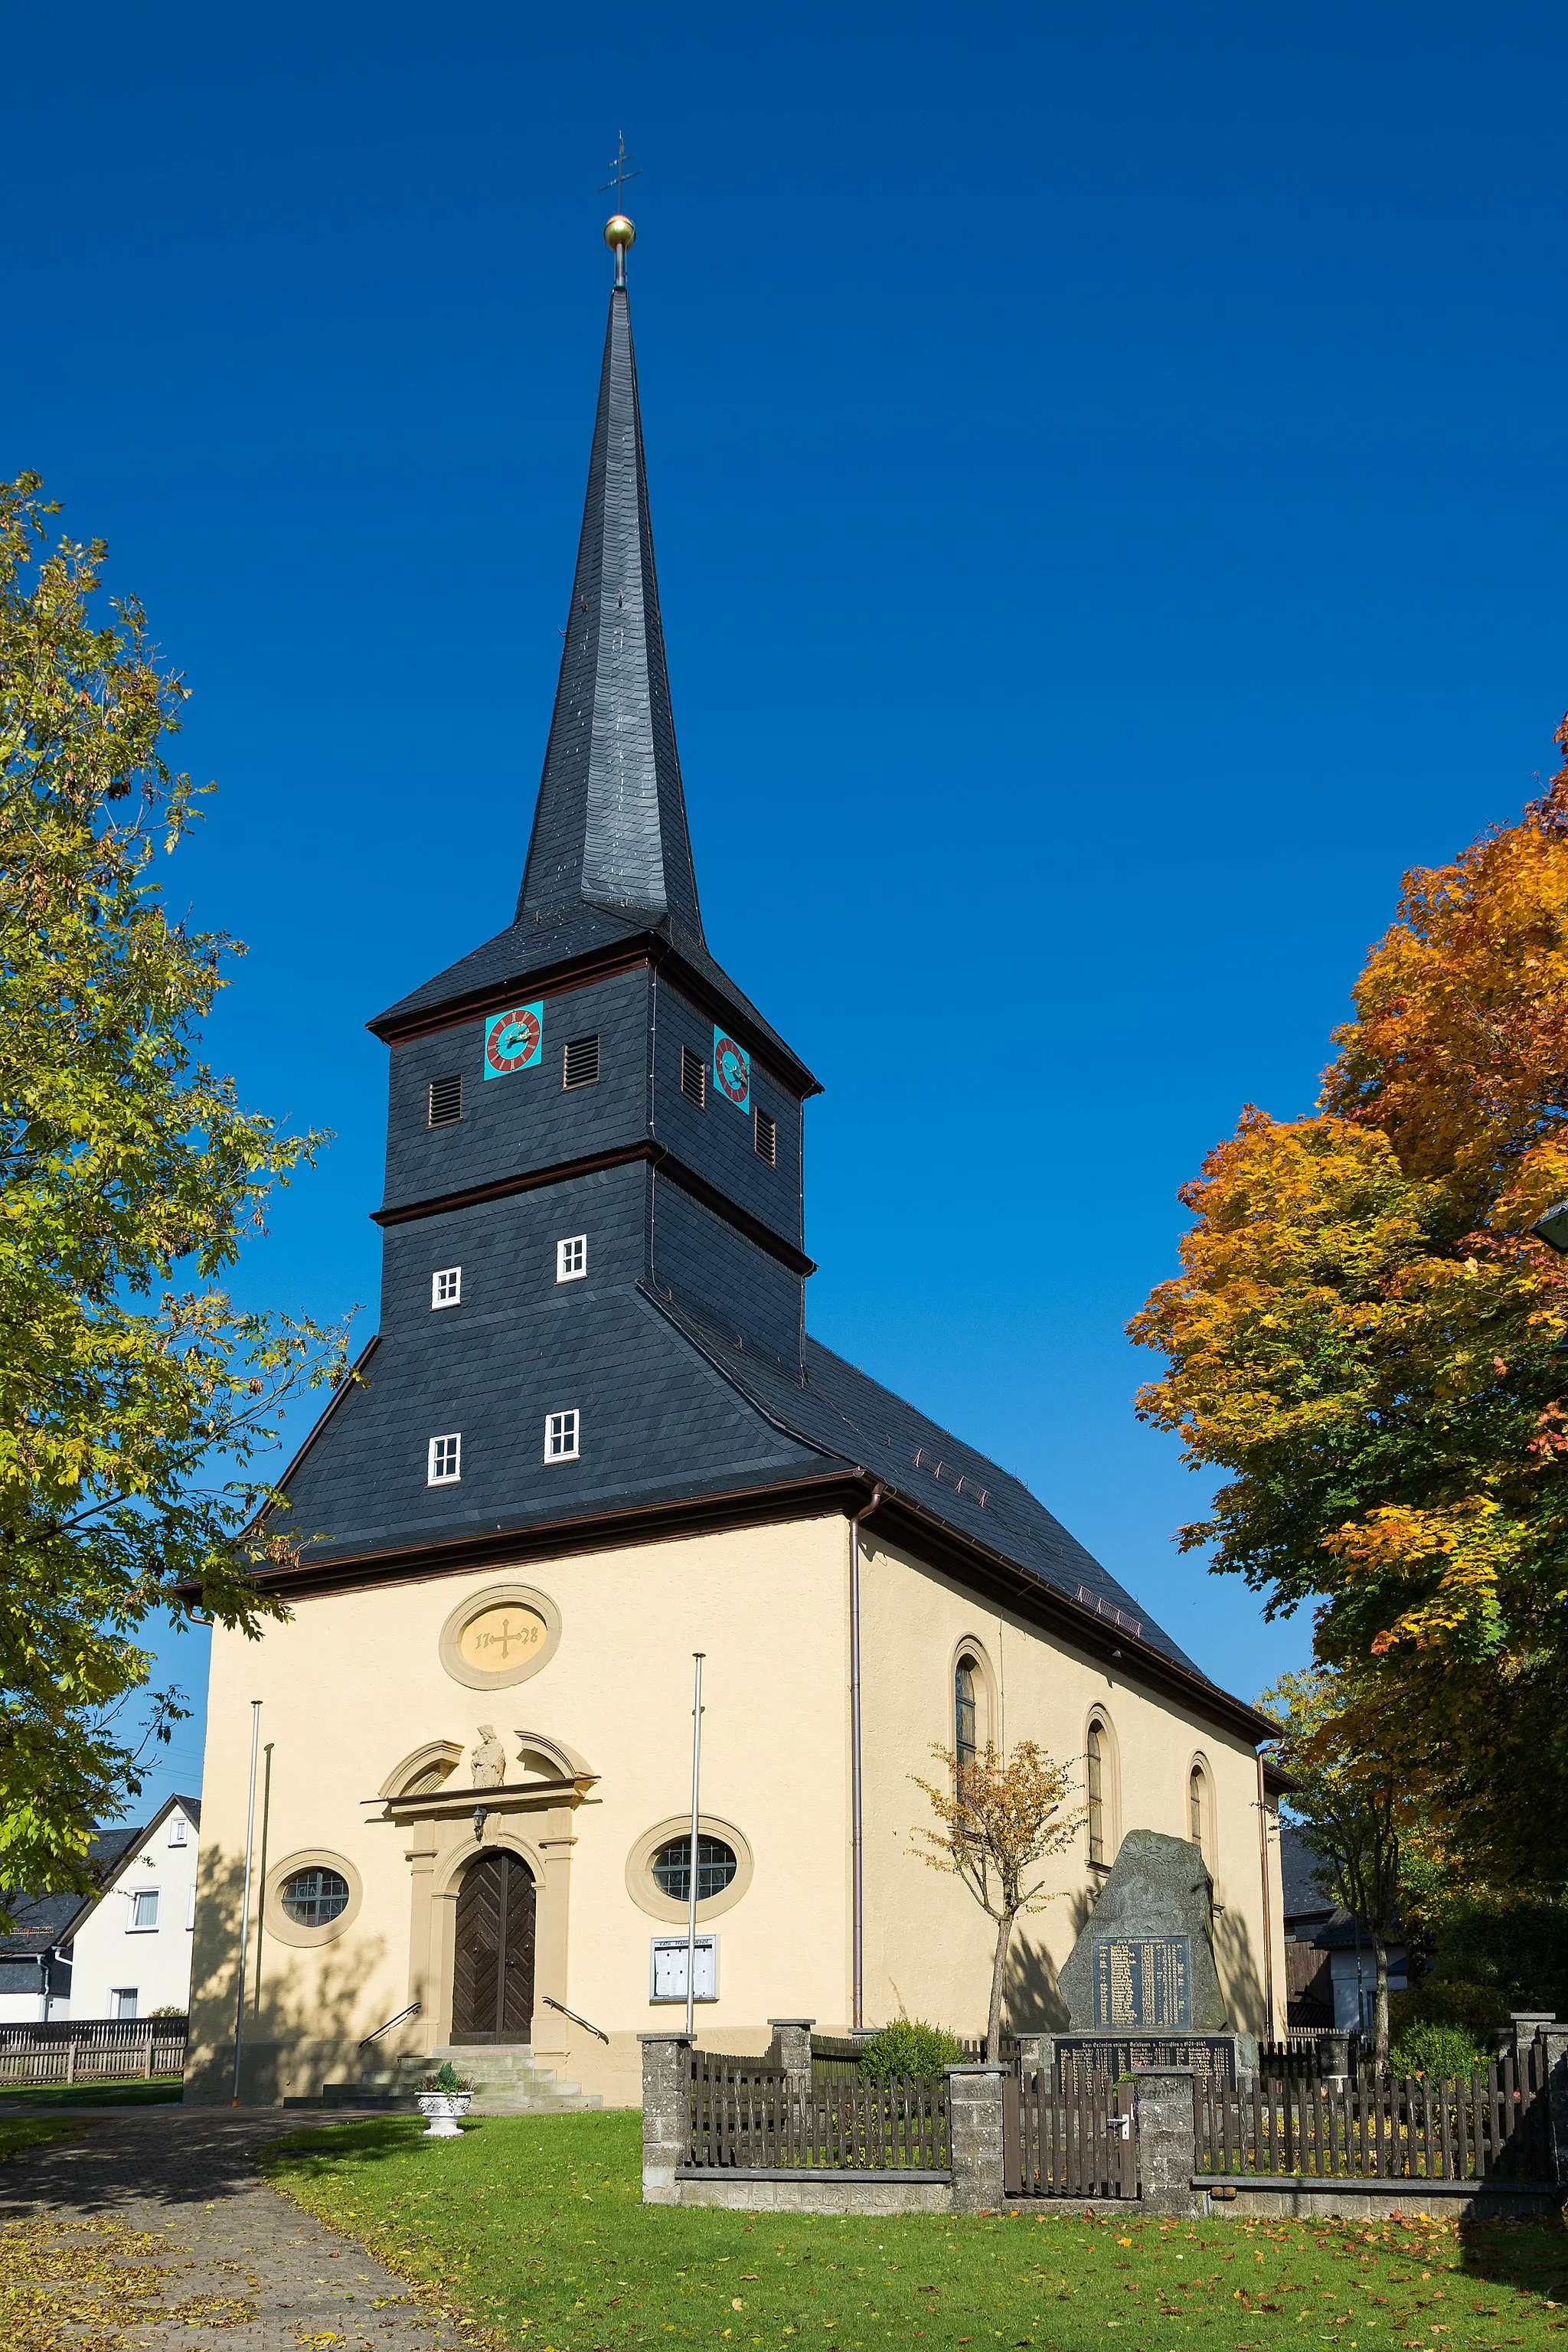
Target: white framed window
144,1910
446,1460
571,1258
447,1287
179,1829
667,1964
561,1436
123,1998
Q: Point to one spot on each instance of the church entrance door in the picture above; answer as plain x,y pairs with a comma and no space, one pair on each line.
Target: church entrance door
492,1977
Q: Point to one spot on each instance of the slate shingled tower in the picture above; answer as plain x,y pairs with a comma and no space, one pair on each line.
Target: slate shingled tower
593,1217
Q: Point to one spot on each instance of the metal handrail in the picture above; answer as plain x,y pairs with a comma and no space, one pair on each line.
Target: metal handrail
550,2003
412,2010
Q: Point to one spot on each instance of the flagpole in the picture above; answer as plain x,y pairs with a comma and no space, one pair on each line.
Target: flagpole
697,1657
245,1899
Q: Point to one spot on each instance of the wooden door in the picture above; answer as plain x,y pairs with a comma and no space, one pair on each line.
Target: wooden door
492,1976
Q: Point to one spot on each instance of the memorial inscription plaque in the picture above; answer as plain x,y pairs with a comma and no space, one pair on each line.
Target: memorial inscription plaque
1142,1983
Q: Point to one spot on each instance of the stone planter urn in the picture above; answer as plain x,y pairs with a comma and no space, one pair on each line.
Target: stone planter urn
441,2110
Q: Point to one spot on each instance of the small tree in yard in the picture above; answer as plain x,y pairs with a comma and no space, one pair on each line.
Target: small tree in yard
998,1817
1352,1802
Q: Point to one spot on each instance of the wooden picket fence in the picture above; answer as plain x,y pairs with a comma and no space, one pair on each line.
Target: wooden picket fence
97,2049
759,2118
1493,2125
1075,2138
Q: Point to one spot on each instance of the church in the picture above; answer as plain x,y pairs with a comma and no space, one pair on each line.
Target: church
593,1438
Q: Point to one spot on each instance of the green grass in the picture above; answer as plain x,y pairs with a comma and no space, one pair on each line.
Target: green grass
33,2131
535,2228
136,2093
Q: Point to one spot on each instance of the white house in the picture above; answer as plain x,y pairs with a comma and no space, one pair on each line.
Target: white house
123,1952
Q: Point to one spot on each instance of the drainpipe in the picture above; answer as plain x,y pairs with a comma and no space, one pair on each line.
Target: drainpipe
856,1805
1267,1923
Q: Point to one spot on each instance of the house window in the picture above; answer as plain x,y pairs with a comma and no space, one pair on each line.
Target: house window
571,1258
1094,1781
1200,1813
179,1829
765,1137
447,1287
579,1063
716,1865
693,1076
446,1460
964,1716
561,1436
124,2000
445,1100
143,1909
313,1897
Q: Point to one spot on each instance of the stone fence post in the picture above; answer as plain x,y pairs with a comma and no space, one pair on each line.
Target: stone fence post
974,2137
1554,2044
666,2114
1524,2024
1037,2054
792,2049
1167,2143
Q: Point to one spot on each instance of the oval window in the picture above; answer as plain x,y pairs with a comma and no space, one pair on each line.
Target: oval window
312,1898
716,1866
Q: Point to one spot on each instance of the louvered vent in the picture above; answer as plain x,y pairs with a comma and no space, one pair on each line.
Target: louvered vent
582,1064
693,1076
445,1100
765,1137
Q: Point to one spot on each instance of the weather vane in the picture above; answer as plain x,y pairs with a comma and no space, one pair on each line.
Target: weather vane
619,234
618,162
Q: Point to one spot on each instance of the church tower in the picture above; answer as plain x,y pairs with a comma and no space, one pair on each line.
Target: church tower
593,1436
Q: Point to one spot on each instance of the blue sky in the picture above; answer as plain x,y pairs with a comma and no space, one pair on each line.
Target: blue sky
1107,478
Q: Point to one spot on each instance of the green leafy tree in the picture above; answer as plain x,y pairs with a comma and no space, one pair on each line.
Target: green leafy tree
1352,1799
1366,1340
137,1402
999,1816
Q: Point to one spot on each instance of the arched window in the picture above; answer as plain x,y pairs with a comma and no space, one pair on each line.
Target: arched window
1094,1782
1200,1812
965,1719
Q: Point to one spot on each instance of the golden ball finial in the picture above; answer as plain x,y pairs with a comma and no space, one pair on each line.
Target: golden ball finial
619,233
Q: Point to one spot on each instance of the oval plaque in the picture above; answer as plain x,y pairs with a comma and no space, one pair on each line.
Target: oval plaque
500,1638
499,1635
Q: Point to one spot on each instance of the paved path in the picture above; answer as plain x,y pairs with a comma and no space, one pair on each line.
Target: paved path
187,2175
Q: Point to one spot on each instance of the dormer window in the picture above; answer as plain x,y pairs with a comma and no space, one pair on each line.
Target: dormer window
446,1460
580,1063
693,1078
447,1287
447,1100
560,1435
571,1258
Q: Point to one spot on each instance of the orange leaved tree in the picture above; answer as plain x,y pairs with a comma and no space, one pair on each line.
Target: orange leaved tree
1367,1338
998,1817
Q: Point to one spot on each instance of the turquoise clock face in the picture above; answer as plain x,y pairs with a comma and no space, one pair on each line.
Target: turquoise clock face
514,1040
731,1070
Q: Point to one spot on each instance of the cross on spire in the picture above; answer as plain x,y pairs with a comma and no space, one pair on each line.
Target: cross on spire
619,173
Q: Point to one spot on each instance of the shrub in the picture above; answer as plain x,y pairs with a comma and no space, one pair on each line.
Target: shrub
1470,2009
1441,2052
908,2047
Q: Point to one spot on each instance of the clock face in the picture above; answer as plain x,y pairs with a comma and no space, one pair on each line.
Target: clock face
514,1040
731,1070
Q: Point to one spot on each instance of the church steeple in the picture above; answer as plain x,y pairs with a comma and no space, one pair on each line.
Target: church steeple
610,828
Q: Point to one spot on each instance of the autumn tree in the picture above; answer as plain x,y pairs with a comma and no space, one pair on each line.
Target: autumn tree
137,1402
1368,1340
998,1817
1350,1796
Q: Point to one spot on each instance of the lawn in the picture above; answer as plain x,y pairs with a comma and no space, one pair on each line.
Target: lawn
136,2093
534,2227
32,2131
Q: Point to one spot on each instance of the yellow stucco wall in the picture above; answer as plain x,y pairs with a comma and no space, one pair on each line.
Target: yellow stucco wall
353,1683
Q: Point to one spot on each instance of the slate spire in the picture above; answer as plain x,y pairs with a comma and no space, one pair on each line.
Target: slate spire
610,827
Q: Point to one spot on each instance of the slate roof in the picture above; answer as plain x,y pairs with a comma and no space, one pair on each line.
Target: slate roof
46,1920
1313,1917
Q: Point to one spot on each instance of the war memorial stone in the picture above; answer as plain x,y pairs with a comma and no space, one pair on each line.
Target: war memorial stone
1141,1986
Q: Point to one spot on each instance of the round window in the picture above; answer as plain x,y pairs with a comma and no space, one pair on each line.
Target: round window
312,1898
716,1866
